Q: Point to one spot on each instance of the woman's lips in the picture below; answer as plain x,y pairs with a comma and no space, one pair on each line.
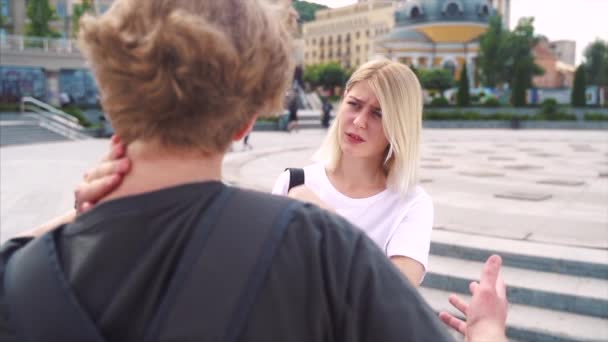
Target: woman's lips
353,138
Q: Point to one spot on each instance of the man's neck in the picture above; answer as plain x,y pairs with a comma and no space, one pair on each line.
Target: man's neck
154,167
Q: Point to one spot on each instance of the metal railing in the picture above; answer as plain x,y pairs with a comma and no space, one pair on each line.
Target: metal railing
53,119
52,45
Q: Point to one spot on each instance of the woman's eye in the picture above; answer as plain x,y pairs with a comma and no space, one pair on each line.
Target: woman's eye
352,103
378,114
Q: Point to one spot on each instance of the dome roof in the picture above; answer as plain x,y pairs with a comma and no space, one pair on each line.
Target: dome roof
405,34
430,11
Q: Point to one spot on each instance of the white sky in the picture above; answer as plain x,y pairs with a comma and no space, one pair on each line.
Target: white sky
579,20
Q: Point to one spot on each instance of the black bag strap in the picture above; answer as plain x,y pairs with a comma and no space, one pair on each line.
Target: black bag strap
296,177
40,302
226,270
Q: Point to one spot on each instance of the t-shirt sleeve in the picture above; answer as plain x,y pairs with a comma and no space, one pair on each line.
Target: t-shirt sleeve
382,306
412,237
7,332
281,185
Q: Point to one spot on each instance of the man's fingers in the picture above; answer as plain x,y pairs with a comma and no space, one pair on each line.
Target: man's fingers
453,322
117,149
85,207
490,272
108,168
459,304
96,189
501,287
473,287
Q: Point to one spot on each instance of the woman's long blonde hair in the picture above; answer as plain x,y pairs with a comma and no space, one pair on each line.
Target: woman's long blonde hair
400,97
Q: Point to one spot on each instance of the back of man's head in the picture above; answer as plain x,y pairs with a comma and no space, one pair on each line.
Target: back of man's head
189,73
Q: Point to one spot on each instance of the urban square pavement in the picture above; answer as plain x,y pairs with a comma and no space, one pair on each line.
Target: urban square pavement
549,187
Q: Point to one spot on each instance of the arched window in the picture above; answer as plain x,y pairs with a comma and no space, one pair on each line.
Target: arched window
415,12
484,11
450,66
452,9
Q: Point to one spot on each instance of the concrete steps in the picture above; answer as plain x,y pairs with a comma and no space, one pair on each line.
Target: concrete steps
557,293
527,323
26,133
29,128
310,119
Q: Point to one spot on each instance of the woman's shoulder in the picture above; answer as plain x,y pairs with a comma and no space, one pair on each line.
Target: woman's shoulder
417,195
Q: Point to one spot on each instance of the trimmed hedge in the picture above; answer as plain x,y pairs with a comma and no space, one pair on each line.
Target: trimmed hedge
470,115
439,102
77,113
9,107
596,117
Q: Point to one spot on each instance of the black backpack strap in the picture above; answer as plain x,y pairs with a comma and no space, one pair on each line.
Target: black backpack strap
230,269
41,304
296,177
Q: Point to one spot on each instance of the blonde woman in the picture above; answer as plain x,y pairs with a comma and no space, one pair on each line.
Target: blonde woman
367,166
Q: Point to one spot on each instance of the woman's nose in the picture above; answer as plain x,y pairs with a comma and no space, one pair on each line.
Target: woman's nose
360,120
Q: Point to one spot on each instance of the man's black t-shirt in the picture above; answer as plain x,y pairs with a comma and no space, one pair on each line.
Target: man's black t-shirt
327,281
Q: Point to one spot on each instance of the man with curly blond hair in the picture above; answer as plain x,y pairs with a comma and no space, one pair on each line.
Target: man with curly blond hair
173,254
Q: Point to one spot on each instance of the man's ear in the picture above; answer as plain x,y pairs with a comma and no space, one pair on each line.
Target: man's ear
246,129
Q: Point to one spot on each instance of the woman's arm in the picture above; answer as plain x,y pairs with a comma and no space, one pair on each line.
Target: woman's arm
410,268
410,243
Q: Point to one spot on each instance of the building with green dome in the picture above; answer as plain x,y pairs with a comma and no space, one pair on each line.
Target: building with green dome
439,33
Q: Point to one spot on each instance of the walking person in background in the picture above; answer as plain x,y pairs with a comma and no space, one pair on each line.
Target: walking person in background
367,167
327,107
293,113
246,144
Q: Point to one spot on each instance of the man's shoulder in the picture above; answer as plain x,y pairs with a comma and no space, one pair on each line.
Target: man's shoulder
308,218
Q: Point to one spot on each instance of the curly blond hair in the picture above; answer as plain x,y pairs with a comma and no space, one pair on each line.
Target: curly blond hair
189,73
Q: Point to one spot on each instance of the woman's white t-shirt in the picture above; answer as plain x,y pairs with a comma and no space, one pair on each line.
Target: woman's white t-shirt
400,225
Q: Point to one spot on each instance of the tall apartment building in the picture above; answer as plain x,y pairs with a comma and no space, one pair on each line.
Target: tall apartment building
346,35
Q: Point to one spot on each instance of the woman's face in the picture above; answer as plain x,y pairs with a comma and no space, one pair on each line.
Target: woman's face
361,132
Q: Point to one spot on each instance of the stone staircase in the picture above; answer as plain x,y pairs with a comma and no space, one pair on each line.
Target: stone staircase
556,293
37,127
19,129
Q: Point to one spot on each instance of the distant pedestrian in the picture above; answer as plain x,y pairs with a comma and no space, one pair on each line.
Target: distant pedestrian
293,114
64,99
246,144
327,107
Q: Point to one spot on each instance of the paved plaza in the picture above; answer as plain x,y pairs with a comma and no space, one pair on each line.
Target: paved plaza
544,186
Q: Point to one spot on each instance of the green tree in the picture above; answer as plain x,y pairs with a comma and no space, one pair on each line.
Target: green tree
328,75
520,85
578,98
520,62
4,22
312,74
596,61
463,98
492,54
502,52
40,13
332,75
306,10
436,79
78,11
